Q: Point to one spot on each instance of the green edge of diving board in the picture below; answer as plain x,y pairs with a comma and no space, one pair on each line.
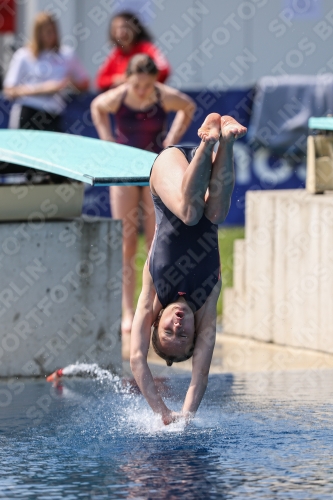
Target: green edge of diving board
95,162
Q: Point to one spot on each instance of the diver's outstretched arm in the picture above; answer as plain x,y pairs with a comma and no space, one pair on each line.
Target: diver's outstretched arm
203,352
140,339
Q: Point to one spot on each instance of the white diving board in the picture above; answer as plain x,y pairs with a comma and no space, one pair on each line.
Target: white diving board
95,162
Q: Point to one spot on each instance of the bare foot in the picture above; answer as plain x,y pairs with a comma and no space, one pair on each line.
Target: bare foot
231,129
210,130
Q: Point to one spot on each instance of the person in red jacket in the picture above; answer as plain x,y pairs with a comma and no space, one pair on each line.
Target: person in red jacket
129,37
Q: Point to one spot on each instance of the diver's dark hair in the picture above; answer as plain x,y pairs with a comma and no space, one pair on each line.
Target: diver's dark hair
169,359
140,33
141,64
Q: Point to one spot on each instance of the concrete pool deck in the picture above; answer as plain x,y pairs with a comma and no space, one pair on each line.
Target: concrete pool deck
233,354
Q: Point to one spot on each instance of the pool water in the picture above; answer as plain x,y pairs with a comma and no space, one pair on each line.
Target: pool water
256,436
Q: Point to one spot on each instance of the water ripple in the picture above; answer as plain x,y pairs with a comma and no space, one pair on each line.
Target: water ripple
98,439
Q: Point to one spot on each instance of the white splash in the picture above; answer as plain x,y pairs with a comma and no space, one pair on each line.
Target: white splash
89,370
143,420
136,416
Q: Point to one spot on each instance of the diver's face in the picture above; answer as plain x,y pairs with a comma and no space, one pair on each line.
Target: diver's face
176,329
142,86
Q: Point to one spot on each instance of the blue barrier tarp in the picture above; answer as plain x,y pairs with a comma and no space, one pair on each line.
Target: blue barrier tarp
254,169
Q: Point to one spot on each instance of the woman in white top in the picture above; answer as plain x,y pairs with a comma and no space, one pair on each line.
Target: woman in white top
40,76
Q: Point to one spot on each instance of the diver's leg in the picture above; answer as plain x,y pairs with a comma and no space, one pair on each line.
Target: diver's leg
182,186
222,179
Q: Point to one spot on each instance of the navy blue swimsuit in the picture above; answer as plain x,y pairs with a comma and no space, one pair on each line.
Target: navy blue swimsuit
184,260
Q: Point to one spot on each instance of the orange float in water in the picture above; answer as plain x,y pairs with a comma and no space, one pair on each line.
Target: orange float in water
55,375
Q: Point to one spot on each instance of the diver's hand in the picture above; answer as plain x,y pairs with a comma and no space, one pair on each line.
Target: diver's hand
188,416
170,417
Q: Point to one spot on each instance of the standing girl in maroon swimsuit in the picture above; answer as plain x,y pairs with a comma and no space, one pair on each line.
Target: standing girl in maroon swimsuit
140,108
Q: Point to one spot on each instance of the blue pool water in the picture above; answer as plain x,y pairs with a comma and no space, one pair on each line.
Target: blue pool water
259,436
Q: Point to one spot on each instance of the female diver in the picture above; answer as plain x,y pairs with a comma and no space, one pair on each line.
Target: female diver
191,190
